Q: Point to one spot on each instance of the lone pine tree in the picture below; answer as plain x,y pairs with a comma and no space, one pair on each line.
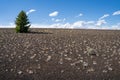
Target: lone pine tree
22,23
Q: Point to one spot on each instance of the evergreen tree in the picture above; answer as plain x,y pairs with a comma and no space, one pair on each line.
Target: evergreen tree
22,23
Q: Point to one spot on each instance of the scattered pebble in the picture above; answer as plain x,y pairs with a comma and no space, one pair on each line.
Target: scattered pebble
104,71
81,61
91,51
94,62
119,62
62,71
78,68
33,56
20,72
85,64
11,69
65,55
36,60
75,50
30,71
73,64
48,58
90,70
6,70
19,57
110,69
68,59
61,61
79,55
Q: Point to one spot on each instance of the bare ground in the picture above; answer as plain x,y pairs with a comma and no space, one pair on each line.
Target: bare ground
60,54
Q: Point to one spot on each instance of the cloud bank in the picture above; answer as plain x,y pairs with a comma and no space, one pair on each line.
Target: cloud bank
74,25
100,22
58,20
80,25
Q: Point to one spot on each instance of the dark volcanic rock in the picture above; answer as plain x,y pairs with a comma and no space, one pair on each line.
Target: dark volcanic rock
60,54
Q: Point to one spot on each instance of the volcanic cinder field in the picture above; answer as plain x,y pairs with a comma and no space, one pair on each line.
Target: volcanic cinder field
60,54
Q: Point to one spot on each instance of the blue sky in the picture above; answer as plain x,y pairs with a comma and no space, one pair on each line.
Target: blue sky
94,14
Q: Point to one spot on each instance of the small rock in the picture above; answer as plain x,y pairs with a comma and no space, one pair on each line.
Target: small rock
61,61
79,55
90,70
119,62
49,58
78,68
72,64
11,70
94,62
30,71
19,72
110,69
85,64
104,71
33,56
10,60
65,55
6,70
70,52
25,52
66,51
77,51
81,61
62,71
68,59
91,51
19,57
36,60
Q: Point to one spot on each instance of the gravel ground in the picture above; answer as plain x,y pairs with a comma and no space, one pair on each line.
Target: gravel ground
60,54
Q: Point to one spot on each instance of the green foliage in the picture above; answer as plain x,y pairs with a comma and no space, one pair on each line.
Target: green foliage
22,23
17,29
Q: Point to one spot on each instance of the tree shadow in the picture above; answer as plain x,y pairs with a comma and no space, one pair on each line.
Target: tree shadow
34,32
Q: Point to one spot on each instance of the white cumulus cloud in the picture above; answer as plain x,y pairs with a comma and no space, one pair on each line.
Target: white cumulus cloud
79,15
58,20
30,11
116,13
53,14
84,24
100,22
104,16
79,24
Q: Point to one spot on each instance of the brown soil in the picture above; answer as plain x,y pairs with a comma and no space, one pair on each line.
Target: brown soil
60,54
